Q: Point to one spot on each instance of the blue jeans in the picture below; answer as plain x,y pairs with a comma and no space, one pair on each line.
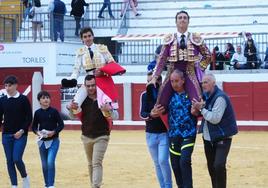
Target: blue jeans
106,3
48,157
14,149
58,29
158,147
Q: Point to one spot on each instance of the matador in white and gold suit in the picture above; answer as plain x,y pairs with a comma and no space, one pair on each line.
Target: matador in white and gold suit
93,59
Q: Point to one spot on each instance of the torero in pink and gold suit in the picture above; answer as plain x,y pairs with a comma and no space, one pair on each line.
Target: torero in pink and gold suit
192,61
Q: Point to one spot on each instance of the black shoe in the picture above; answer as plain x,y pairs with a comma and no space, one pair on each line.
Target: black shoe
121,15
138,14
100,16
112,17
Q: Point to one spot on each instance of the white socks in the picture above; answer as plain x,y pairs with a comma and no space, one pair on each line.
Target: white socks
26,182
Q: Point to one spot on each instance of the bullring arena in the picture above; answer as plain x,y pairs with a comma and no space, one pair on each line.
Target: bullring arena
132,40
127,163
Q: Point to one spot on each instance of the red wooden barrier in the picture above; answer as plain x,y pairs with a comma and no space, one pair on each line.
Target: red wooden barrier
242,98
136,89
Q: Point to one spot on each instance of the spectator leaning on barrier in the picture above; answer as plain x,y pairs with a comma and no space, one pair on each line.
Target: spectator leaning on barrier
217,59
250,52
58,8
266,59
37,22
228,54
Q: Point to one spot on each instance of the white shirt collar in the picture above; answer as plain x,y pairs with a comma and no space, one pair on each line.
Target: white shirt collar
179,35
15,96
92,47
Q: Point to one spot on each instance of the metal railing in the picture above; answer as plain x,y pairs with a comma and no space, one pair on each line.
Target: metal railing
142,52
23,27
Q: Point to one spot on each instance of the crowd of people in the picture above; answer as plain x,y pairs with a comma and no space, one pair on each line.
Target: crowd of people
242,56
246,56
57,10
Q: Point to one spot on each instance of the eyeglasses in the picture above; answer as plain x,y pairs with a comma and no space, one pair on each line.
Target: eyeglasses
87,36
183,17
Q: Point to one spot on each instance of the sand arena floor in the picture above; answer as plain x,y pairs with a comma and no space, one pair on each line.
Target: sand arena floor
127,163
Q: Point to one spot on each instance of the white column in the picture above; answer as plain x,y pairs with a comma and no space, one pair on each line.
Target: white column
37,82
127,101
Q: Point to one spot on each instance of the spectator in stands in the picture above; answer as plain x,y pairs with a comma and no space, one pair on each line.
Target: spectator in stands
27,4
133,4
218,127
78,11
250,52
16,117
37,21
184,51
217,59
228,54
95,130
152,64
106,3
238,60
58,8
156,133
266,59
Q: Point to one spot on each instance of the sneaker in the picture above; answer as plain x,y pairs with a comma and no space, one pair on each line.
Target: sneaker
138,14
14,186
51,187
26,182
100,16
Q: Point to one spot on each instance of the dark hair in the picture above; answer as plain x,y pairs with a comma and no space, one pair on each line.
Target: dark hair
42,94
11,80
158,50
89,77
149,73
180,73
85,30
37,3
182,11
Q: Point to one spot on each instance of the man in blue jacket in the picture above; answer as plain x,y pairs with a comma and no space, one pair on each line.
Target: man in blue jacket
218,126
58,8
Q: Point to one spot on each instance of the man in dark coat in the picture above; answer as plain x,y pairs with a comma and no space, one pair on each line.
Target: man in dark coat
77,11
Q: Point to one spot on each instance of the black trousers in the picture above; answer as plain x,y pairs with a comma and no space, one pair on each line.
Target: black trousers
77,25
181,150
216,154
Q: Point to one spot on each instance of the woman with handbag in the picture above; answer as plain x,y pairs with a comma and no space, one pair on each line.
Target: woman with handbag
36,16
